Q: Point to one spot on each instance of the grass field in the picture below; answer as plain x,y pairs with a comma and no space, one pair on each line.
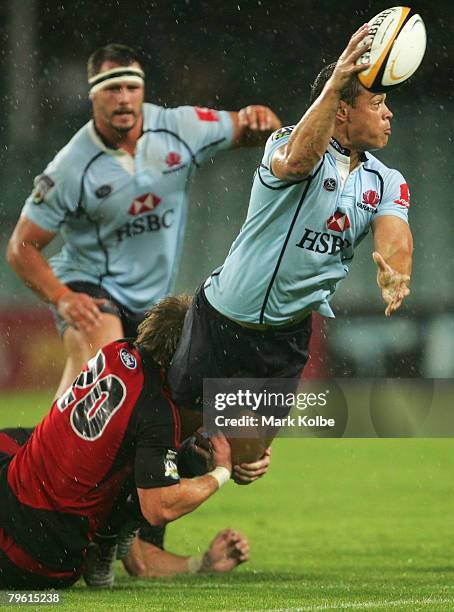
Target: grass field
336,525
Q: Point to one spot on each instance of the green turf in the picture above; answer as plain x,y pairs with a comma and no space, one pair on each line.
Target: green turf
337,524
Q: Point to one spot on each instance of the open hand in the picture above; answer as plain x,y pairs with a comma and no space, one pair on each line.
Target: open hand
393,284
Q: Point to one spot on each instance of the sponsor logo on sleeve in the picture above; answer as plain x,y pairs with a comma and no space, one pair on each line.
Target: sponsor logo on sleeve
42,185
170,466
404,199
282,132
206,114
128,359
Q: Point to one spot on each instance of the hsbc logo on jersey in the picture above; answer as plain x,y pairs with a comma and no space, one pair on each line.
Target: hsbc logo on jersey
404,199
339,222
146,224
144,204
323,242
206,114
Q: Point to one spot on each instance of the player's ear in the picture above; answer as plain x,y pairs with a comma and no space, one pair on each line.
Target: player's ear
342,111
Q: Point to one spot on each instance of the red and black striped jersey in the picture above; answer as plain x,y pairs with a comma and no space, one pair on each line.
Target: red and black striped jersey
115,420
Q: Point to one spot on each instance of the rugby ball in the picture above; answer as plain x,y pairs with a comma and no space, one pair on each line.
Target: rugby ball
398,40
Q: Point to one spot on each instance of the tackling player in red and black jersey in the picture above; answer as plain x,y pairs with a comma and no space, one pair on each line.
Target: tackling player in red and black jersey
116,420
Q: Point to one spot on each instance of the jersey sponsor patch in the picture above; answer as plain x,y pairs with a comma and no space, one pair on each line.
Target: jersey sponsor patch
330,184
206,114
281,132
170,465
143,204
103,191
339,222
404,199
42,185
128,359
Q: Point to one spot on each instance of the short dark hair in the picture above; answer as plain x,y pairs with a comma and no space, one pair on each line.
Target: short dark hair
159,333
114,52
348,94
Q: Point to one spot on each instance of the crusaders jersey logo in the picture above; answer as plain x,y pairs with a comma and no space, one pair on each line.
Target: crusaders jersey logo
143,204
339,222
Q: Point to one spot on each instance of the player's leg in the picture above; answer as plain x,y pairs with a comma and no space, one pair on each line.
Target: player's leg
80,346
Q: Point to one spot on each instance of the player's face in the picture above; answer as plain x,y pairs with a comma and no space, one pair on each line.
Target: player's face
118,106
369,122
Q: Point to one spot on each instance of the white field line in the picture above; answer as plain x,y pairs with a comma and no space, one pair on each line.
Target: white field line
366,605
261,585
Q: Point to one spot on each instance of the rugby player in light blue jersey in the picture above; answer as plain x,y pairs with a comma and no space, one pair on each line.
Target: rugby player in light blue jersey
117,195
315,196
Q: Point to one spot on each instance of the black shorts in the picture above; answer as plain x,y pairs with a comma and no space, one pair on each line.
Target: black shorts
213,346
129,319
18,570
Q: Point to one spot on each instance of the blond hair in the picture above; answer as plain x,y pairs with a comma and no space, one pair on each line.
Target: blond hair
159,333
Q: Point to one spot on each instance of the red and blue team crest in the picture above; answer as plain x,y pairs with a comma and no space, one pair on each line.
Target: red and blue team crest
206,114
404,199
371,198
143,204
339,222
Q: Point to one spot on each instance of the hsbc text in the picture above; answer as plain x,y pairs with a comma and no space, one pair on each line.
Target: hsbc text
322,242
145,224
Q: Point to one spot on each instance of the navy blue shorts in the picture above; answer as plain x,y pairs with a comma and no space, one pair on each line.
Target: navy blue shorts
213,346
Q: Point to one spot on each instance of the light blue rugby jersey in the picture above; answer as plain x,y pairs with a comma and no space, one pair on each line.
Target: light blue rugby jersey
122,218
298,238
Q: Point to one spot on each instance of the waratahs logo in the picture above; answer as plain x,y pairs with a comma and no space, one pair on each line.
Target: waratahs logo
371,198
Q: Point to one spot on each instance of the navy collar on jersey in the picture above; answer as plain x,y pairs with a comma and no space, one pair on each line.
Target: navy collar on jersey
343,151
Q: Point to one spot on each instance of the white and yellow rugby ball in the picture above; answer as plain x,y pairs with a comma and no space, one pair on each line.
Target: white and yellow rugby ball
398,45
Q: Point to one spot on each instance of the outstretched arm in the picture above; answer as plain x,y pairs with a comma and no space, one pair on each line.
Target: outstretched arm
393,244
310,138
227,550
252,125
